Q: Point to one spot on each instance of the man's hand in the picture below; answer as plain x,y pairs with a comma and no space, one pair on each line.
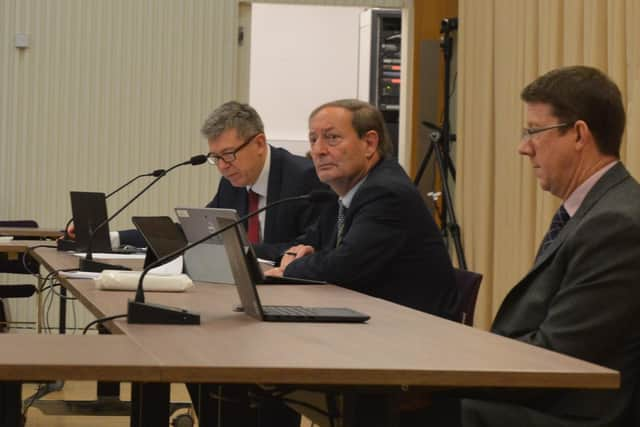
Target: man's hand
71,231
289,256
294,253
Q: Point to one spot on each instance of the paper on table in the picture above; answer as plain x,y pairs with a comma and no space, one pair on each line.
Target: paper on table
79,274
110,256
170,268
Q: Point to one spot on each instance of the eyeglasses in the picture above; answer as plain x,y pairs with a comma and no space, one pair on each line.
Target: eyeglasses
229,156
331,139
527,133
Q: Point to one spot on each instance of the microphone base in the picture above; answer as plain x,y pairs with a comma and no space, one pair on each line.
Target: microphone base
98,267
156,314
66,245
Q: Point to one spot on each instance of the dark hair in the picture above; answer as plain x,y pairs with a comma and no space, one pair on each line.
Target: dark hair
583,93
366,117
233,115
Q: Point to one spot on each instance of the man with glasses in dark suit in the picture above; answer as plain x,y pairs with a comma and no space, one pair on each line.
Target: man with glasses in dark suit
582,294
255,173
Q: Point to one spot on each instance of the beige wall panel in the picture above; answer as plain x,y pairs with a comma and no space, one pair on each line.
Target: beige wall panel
107,90
363,3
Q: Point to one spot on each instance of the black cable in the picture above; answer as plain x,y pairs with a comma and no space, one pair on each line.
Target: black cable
257,395
49,277
65,297
40,391
453,85
28,254
100,320
278,395
309,406
49,301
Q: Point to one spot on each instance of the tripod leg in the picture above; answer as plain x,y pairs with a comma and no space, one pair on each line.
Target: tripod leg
423,165
448,208
452,167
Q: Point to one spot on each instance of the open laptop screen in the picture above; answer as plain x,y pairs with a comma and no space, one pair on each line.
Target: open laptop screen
161,234
206,262
89,210
248,293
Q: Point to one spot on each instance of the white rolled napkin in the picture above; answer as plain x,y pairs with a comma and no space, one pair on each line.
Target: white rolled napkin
118,280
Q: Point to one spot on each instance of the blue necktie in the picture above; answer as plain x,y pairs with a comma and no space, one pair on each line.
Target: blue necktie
558,221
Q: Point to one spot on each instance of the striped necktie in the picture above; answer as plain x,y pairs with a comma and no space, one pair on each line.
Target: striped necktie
558,221
342,211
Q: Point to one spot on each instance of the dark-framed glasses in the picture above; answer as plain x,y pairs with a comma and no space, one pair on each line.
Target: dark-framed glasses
229,156
527,133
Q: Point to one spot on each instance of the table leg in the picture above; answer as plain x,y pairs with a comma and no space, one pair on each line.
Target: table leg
40,312
62,327
150,404
10,404
366,410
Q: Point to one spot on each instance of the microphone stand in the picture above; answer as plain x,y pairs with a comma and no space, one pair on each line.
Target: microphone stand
441,140
87,263
67,244
139,311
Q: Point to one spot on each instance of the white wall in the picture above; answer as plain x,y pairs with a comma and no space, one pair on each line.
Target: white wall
301,56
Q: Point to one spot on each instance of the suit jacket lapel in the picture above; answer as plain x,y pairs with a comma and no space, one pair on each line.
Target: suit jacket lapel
614,176
274,187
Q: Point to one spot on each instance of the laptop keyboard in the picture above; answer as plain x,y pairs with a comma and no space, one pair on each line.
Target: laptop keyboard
287,310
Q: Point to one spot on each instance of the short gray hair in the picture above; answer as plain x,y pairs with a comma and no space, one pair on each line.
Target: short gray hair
233,115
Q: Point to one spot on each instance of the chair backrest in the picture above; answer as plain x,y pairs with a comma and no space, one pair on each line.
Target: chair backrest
21,223
17,266
468,283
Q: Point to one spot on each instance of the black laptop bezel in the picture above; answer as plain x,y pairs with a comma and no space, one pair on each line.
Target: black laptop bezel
89,210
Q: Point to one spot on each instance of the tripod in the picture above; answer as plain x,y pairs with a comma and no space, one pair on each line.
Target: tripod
441,139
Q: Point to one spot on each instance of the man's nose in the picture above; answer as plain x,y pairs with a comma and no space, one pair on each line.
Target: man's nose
524,147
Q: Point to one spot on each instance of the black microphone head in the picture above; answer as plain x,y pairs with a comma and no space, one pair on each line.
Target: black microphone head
321,196
198,160
158,173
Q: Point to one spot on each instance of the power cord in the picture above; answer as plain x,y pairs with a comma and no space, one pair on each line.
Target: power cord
101,320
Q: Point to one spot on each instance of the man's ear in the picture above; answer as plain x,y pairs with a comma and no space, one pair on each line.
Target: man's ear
261,140
582,132
372,140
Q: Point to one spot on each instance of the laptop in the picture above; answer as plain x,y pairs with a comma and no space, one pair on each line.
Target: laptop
161,234
89,210
206,262
248,293
209,260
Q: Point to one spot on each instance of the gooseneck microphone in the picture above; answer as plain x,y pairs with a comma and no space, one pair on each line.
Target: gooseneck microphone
67,244
139,311
87,263
156,173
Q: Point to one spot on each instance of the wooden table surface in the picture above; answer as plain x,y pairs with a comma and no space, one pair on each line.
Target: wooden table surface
51,233
18,246
397,346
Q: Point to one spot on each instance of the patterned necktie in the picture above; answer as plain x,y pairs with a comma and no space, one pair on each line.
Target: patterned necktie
341,214
558,221
254,222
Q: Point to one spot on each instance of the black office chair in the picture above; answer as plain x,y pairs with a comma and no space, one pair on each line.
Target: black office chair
468,283
634,416
20,265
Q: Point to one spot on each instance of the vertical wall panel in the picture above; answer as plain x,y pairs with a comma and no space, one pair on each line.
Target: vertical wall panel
106,90
109,89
